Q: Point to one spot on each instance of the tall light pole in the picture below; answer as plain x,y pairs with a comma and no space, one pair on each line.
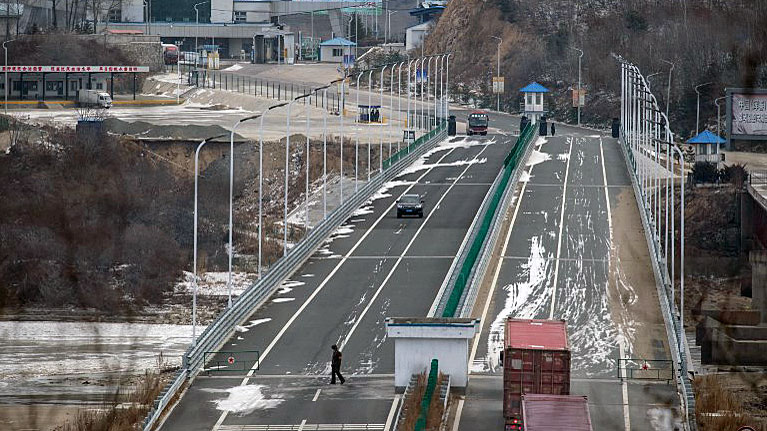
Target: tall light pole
231,200
579,83
5,48
261,182
287,169
668,87
697,109
498,73
370,100
357,137
197,28
718,116
194,257
380,129
650,76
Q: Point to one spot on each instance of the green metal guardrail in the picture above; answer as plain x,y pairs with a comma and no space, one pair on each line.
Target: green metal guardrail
511,161
409,149
431,385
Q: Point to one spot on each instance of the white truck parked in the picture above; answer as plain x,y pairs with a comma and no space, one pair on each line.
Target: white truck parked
95,98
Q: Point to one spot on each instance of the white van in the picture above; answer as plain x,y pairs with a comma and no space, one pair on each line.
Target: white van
95,98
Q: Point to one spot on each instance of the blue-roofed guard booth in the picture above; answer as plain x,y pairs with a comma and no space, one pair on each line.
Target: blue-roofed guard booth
337,50
533,101
707,146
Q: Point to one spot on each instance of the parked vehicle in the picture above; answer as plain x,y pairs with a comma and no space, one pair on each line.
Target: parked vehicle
477,123
95,98
410,205
536,360
170,53
555,412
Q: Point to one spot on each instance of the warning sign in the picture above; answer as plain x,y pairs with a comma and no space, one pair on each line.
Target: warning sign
498,84
230,360
579,97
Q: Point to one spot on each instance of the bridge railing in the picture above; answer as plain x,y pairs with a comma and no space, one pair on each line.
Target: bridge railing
218,332
472,259
651,155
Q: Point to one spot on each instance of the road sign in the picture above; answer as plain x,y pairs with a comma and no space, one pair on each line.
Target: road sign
498,85
579,97
230,360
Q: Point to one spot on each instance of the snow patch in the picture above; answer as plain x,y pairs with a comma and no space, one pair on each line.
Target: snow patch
233,68
537,157
243,400
283,299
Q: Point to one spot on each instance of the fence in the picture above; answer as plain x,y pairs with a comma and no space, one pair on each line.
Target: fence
216,334
757,178
467,268
646,369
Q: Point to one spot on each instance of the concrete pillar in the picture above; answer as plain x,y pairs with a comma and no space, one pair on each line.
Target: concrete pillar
758,259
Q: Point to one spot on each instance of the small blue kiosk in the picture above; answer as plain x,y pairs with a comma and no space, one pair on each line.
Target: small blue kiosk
533,103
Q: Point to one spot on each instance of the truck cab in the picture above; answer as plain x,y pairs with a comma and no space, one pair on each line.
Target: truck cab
477,123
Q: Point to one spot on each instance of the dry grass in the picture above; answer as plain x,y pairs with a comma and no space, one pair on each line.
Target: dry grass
412,405
436,408
716,407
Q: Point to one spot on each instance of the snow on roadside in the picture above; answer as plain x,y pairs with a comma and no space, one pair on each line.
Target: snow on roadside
243,400
233,68
215,283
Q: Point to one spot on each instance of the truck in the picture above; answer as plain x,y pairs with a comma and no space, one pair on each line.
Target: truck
477,123
95,98
170,53
555,412
536,360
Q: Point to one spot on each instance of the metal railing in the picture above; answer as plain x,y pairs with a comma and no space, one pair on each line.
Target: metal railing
757,177
646,369
218,332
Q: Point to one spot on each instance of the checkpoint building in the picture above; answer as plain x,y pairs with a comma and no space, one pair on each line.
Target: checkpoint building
62,82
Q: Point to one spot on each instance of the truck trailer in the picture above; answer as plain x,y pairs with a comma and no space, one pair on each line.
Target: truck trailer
555,413
536,360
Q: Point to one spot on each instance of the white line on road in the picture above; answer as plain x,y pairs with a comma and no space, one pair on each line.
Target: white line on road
319,288
621,340
316,395
301,427
570,140
392,412
458,412
404,252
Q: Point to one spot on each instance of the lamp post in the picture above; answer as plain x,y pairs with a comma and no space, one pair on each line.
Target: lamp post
197,28
370,100
697,109
498,72
287,169
579,83
409,95
5,48
261,182
399,98
380,122
231,200
718,116
447,86
668,87
650,76
194,257
357,136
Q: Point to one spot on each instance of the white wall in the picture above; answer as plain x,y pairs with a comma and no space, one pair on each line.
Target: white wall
221,11
414,355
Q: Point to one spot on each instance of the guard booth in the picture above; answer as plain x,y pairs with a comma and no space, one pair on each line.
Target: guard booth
369,114
533,101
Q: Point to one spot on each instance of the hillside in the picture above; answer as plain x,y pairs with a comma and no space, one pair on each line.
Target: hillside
724,42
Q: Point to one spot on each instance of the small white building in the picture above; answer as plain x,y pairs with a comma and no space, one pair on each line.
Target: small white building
707,146
337,50
533,94
415,35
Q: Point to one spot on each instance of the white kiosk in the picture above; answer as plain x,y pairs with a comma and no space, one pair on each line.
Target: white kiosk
418,340
533,95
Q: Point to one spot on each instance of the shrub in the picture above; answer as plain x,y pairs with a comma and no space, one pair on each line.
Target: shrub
705,172
734,174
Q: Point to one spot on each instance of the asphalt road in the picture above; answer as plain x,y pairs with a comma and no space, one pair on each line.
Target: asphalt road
556,264
374,267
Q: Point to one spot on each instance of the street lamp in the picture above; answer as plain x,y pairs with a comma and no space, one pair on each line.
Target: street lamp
357,136
579,83
718,116
668,88
697,110
498,73
5,48
387,30
194,257
231,199
287,169
197,28
380,129
650,76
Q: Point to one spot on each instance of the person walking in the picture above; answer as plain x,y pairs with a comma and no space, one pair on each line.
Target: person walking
553,130
335,366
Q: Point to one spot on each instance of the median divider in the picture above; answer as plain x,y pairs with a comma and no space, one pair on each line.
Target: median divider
468,272
220,330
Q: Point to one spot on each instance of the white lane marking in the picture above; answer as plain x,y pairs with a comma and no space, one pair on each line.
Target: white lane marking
561,227
621,340
458,412
301,427
316,395
392,412
404,252
322,285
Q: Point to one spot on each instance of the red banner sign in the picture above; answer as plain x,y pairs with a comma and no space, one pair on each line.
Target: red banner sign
74,69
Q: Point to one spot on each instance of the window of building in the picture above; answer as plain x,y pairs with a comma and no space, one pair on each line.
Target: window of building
51,86
240,16
16,86
73,85
529,99
115,14
540,99
99,86
338,52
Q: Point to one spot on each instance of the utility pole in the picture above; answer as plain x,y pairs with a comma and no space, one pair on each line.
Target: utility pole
498,73
668,88
197,28
578,100
718,116
697,109
5,48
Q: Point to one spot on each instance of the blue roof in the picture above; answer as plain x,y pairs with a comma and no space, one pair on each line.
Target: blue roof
338,41
534,88
706,137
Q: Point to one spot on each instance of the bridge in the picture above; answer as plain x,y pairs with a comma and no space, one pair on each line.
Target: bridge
582,232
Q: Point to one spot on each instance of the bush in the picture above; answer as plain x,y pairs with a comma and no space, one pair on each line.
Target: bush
705,172
735,174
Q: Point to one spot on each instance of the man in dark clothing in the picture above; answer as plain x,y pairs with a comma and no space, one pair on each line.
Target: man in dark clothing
553,130
335,366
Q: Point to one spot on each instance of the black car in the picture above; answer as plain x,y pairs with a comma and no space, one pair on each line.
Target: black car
410,205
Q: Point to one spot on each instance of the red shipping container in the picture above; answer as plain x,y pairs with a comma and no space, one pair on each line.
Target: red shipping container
555,412
536,361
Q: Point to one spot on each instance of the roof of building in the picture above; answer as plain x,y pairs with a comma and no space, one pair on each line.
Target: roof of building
338,41
706,137
534,88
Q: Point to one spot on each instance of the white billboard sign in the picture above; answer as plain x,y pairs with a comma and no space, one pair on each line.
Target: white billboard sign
749,114
73,69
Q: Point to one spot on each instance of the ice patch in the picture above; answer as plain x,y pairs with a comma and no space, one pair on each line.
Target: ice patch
283,299
256,323
537,157
525,177
243,400
233,68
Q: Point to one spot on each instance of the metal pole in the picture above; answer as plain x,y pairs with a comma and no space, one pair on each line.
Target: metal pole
341,110
579,84
668,88
306,200
261,183
399,98
718,116
447,87
370,138
325,155
391,104
357,137
5,48
498,72
697,109
380,122
422,79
